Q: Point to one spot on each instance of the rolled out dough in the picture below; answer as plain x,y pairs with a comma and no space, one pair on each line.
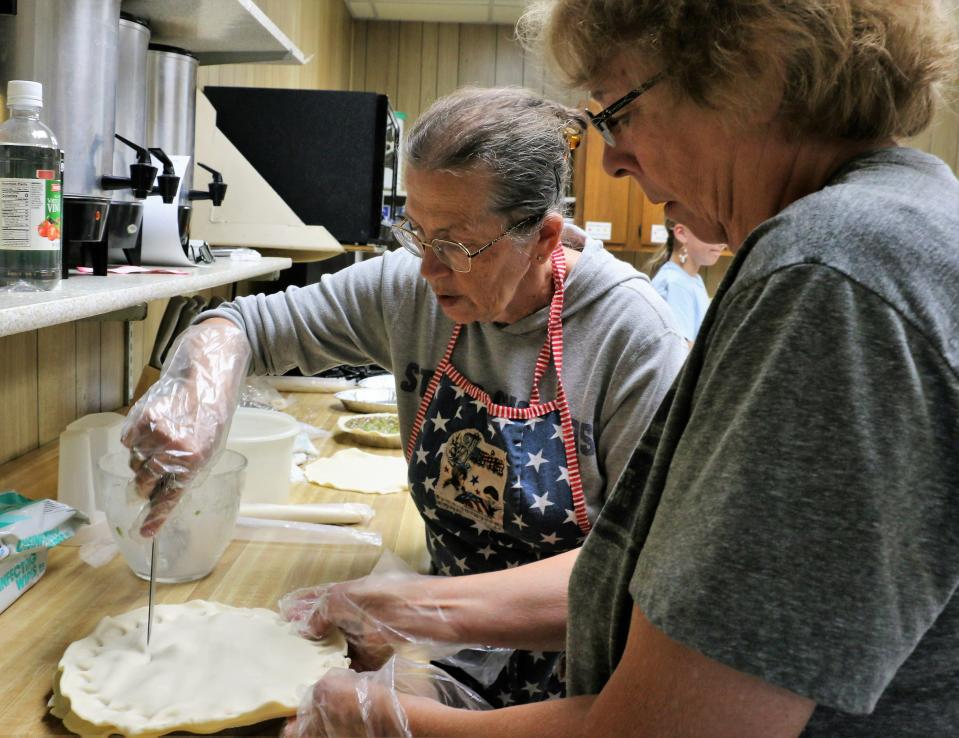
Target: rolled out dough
329,513
209,667
358,471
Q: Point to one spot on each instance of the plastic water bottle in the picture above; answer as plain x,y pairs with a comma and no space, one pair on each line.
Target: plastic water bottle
31,197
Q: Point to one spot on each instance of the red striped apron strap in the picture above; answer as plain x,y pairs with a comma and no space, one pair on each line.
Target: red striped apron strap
430,391
558,261
555,341
542,361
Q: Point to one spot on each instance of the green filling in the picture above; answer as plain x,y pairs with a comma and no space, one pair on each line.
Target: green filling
387,424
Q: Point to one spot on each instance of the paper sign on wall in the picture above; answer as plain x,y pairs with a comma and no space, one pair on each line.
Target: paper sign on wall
599,229
658,233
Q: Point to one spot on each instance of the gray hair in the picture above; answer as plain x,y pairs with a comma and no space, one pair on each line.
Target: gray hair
517,138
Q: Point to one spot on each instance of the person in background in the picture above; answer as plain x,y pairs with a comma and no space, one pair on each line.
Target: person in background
781,556
674,269
516,413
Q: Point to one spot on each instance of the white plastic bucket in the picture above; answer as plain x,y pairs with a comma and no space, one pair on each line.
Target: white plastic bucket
265,438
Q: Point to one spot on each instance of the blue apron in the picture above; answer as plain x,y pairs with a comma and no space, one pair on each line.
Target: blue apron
499,486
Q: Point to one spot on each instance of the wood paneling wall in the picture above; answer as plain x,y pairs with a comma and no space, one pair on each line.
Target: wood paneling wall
52,376
942,137
416,63
321,29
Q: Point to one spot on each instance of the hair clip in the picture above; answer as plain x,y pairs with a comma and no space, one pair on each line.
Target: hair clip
573,136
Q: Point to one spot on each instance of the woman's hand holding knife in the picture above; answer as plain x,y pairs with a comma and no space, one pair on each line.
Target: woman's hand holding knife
179,425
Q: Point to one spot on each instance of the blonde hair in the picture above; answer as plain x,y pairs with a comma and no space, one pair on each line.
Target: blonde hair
664,253
851,69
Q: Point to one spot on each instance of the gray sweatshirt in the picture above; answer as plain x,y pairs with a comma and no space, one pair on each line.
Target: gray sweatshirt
622,349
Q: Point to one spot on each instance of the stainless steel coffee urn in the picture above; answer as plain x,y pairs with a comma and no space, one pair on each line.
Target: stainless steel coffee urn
70,46
125,220
171,119
126,211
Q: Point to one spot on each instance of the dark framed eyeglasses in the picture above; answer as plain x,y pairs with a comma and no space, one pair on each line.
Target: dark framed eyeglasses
604,122
451,253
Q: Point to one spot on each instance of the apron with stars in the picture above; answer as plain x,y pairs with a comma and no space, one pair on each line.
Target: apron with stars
499,486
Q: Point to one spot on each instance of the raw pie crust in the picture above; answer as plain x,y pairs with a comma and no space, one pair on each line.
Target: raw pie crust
209,667
358,471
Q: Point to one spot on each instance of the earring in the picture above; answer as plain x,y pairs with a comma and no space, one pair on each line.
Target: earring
540,258
682,256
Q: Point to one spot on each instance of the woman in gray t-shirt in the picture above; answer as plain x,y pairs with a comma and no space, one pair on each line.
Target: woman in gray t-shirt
781,556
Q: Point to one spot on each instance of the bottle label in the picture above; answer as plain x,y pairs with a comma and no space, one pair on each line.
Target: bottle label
30,212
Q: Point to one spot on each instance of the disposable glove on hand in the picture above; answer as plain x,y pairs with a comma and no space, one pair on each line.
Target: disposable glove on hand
377,704
376,614
180,424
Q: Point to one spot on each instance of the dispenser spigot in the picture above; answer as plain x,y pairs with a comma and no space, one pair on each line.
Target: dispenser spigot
142,173
216,190
167,182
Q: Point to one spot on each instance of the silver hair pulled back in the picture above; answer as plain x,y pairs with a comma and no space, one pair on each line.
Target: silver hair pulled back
518,138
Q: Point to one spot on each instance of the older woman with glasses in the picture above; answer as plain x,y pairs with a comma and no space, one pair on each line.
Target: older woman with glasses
781,556
525,373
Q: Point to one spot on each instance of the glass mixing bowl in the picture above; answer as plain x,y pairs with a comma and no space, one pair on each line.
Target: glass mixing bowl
194,536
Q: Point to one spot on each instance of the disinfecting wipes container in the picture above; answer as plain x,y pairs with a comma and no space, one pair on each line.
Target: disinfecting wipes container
28,529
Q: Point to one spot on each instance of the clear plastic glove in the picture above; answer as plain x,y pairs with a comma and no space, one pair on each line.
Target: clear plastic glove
574,237
259,393
379,614
180,424
376,703
390,612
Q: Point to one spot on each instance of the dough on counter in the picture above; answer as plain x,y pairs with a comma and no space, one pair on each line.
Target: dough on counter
328,513
209,667
358,471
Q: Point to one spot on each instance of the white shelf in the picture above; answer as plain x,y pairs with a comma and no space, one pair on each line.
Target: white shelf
86,296
217,31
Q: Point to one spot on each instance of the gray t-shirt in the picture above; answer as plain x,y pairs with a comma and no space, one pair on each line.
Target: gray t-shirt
793,510
622,349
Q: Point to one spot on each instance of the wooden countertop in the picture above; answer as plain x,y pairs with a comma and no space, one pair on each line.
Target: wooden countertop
72,597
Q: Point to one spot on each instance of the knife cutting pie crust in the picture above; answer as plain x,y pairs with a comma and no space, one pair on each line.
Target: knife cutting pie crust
209,667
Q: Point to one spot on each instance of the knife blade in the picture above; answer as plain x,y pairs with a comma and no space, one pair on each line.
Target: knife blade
157,491
153,584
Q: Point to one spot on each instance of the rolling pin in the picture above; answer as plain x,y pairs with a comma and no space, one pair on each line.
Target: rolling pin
331,513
